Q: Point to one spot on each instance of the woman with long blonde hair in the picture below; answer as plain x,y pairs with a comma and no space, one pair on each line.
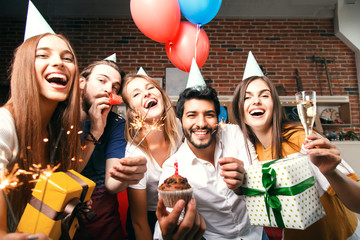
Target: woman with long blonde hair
157,139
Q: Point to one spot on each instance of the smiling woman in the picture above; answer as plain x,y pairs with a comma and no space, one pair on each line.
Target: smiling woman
44,101
148,107
258,112
54,68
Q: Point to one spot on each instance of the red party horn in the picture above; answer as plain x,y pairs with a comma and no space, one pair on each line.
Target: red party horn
115,99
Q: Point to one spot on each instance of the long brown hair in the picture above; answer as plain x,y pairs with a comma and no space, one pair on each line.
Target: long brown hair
170,127
282,128
24,105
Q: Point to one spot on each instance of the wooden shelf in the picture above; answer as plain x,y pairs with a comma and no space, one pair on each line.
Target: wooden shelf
319,99
339,103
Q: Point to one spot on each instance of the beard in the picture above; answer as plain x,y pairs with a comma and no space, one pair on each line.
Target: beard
85,101
188,133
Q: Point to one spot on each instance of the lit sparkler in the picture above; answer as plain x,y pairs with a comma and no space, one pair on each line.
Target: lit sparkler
47,173
220,126
36,170
10,181
137,124
52,156
50,168
154,126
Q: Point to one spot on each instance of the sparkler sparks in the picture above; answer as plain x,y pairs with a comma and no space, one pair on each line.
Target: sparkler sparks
36,170
47,173
220,126
155,126
137,124
10,181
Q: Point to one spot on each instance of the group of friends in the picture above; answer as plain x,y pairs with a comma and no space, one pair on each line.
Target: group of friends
49,96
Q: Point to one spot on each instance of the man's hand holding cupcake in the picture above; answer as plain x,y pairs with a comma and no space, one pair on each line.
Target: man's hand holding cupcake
191,227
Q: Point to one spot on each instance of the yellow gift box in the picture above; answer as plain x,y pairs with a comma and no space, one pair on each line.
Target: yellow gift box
51,195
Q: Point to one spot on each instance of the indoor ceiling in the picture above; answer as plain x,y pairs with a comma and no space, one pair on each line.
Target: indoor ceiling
311,9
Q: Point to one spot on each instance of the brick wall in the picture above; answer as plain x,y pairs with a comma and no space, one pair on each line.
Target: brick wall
280,46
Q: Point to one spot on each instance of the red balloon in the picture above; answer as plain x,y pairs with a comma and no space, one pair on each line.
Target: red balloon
157,19
181,50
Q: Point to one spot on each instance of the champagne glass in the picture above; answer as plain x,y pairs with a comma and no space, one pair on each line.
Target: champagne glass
306,106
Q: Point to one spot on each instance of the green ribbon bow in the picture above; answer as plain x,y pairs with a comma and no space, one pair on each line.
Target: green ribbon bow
270,193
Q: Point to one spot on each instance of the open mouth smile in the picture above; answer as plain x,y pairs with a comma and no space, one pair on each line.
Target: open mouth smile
150,103
257,112
57,78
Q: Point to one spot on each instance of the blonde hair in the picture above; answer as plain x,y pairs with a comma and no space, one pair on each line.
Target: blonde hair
170,126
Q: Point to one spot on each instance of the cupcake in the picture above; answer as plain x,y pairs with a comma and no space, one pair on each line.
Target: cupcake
174,188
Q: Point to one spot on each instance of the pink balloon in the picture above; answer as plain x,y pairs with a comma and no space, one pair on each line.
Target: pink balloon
157,19
181,50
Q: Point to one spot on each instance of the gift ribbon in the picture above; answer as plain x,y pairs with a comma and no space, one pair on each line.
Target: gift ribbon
73,208
270,193
45,209
82,183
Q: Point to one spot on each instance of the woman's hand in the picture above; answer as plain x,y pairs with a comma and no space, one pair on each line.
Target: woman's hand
323,153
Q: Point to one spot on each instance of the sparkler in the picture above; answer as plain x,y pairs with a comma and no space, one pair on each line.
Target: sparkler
221,126
50,168
10,181
4,183
154,126
138,123
52,156
9,207
36,170
47,173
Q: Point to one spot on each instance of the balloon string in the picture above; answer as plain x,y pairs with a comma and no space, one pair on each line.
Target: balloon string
197,37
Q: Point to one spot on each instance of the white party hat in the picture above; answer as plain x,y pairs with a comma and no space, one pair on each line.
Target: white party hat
252,67
195,78
141,71
35,23
111,58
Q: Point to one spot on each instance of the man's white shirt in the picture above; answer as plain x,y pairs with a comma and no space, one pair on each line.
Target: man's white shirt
224,211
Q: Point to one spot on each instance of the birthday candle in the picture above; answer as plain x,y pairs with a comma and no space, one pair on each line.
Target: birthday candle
176,168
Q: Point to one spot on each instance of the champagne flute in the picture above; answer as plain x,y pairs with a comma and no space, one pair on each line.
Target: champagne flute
306,106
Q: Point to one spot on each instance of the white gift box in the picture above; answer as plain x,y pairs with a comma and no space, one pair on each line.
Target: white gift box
298,211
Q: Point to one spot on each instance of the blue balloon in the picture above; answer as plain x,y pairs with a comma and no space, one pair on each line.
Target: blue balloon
223,115
199,11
